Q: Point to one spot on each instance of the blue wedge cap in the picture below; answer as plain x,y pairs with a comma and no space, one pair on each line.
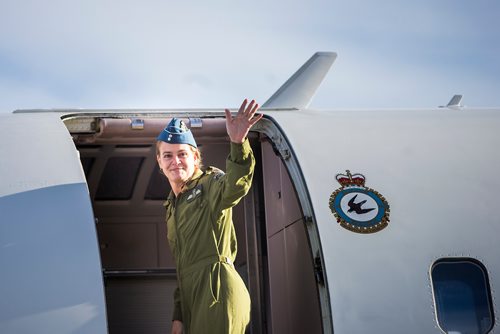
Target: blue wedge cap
176,132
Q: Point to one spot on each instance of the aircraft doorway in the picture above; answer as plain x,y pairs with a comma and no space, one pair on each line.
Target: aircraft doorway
127,191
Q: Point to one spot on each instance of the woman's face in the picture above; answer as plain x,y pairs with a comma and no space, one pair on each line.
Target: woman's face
177,161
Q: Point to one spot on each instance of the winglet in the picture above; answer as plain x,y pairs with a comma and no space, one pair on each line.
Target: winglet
298,91
454,102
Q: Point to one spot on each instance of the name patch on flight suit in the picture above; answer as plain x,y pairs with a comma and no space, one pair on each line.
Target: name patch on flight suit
194,193
358,208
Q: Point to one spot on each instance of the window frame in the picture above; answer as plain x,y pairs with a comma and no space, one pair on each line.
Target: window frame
486,281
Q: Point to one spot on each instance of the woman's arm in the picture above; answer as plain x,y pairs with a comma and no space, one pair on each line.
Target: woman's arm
240,163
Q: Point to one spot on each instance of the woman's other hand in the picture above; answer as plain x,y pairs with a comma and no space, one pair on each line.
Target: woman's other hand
177,327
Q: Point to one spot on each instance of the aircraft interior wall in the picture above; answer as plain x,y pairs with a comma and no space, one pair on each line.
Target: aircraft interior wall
274,257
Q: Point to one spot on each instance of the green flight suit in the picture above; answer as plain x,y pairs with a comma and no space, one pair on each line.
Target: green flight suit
211,297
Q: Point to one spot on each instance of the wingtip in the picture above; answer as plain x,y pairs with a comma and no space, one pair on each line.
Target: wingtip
298,91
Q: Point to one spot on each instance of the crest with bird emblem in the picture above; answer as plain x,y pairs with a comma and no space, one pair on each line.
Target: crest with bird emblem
358,208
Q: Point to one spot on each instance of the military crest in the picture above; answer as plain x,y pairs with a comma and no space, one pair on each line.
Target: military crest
358,208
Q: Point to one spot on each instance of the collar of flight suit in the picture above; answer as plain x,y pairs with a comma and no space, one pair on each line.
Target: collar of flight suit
189,185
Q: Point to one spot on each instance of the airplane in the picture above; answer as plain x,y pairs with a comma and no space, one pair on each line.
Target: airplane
358,221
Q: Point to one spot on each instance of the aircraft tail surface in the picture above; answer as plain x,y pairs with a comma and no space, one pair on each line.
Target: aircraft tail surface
299,89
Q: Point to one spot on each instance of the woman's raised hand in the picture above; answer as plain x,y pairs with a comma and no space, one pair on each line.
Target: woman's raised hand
239,125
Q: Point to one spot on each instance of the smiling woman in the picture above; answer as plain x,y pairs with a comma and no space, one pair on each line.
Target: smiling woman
177,154
210,292
177,162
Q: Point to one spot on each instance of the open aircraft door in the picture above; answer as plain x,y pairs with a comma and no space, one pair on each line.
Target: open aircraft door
51,280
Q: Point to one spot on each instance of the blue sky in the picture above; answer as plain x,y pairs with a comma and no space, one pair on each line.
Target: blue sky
183,54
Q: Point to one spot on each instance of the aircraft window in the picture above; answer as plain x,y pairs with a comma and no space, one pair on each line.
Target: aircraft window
158,187
462,296
118,178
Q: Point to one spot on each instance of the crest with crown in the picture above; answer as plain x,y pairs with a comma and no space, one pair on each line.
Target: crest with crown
350,180
346,205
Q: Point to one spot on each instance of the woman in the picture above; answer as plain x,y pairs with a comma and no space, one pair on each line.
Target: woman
211,296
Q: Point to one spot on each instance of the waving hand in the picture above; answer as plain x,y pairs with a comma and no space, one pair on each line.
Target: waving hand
239,125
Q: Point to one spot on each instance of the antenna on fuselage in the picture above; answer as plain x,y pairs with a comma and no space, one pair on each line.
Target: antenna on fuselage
454,102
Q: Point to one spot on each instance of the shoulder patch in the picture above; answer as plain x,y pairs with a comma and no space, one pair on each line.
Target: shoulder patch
215,172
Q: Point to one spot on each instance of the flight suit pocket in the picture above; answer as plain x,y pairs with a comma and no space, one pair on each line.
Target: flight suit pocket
192,211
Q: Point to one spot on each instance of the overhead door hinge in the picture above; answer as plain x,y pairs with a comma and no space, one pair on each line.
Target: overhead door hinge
280,147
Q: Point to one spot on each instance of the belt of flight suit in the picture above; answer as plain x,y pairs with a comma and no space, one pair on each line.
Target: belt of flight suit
210,297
